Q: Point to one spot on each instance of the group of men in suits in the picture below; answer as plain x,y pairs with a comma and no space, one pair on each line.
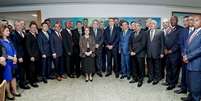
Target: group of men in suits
121,48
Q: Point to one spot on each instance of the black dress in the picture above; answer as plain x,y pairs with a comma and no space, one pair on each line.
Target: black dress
2,53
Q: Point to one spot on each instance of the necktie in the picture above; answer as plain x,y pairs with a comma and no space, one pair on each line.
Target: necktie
151,34
95,32
193,35
111,30
46,34
21,33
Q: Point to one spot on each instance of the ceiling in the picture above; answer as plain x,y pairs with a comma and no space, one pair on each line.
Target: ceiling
186,3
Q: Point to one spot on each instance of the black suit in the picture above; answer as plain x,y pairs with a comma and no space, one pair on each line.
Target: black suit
173,59
33,51
19,43
98,36
45,49
57,48
155,48
112,39
76,50
68,50
137,44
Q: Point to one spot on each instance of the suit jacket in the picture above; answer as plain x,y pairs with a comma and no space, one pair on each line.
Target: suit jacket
19,44
32,46
138,44
184,33
67,42
44,44
76,39
111,39
98,38
172,42
123,43
193,51
56,44
83,45
155,47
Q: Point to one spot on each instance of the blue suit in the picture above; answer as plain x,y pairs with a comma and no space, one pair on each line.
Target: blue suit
193,52
125,54
45,49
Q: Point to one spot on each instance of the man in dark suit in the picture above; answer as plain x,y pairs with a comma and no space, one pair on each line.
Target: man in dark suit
183,39
111,39
18,39
193,59
45,49
173,53
97,33
68,48
137,46
77,33
124,50
155,51
57,51
33,53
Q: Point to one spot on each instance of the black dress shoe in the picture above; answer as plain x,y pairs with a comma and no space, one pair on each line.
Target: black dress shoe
133,81
35,85
180,91
165,84
100,74
117,75
155,82
86,80
45,80
17,95
170,87
108,74
186,98
24,87
128,78
149,81
10,98
139,84
122,77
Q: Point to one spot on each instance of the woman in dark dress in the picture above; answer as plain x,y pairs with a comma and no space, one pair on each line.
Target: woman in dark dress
10,66
87,52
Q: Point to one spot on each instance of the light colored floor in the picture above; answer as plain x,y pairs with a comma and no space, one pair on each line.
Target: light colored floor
101,89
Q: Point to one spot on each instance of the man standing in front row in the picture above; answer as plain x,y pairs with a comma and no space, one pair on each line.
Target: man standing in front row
124,50
193,60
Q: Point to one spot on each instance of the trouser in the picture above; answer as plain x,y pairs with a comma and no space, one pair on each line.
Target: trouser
125,66
154,69
58,62
46,66
138,68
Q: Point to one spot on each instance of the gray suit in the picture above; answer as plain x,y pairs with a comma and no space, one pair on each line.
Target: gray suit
98,36
155,47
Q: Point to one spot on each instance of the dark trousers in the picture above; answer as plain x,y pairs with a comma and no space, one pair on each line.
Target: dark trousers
112,55
99,62
104,54
68,65
183,78
138,68
172,69
33,68
154,69
195,85
46,66
163,66
76,64
22,72
58,62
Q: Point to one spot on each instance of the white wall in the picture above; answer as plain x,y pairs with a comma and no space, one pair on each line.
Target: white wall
101,10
